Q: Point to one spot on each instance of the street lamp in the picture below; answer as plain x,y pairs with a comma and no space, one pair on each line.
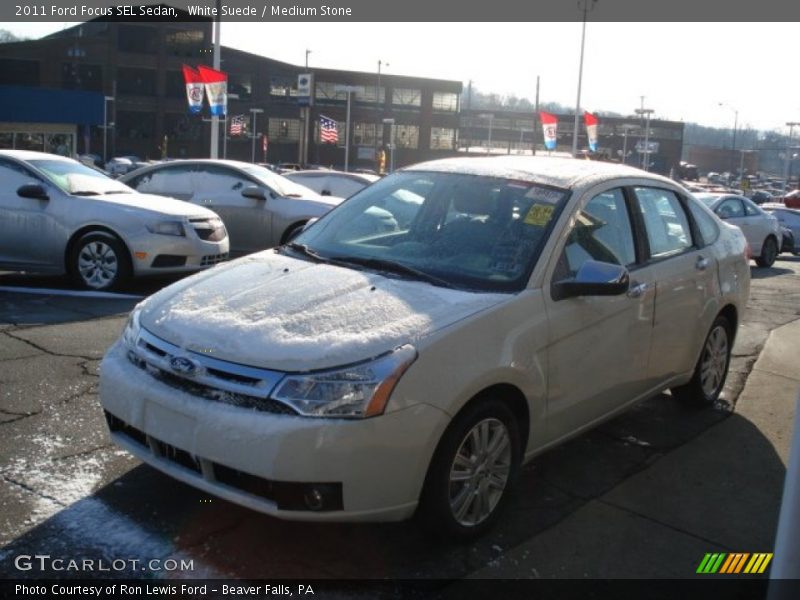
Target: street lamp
489,116
626,129
735,127
791,125
106,100
349,89
254,112
646,112
585,4
390,123
307,53
377,104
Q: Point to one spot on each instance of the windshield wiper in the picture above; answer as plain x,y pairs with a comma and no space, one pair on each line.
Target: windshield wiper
118,192
306,251
381,264
85,193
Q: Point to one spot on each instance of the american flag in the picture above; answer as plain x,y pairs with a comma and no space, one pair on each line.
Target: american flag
328,132
237,125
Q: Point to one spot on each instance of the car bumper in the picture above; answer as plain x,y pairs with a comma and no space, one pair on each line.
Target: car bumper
355,455
153,254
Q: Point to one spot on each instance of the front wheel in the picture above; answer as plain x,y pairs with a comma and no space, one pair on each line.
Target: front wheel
472,471
99,261
769,252
712,366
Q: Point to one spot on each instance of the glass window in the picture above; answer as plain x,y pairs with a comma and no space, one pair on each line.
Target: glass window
214,179
140,82
132,38
182,42
364,134
6,140
29,141
282,86
466,231
602,232
730,209
82,77
174,85
174,181
750,209
13,175
445,101
18,71
59,143
442,138
665,221
326,90
76,178
135,125
705,222
284,130
406,136
406,97
183,126
240,85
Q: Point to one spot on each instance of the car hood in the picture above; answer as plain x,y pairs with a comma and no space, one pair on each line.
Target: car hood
277,312
157,205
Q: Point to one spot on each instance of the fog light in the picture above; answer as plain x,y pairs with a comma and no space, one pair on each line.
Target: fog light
314,499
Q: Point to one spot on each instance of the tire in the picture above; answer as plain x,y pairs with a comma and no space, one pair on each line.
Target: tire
99,261
712,366
472,472
769,252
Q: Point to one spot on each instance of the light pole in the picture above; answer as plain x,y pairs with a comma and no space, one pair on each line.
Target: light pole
646,112
585,4
377,104
791,125
217,62
735,127
254,112
626,129
106,100
489,116
349,89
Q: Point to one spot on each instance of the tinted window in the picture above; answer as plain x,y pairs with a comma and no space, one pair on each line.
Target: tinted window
602,231
750,209
665,221
705,223
730,209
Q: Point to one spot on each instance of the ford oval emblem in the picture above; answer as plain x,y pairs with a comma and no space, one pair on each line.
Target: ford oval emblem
184,366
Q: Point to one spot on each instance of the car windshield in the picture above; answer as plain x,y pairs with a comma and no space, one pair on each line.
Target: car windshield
79,180
457,230
279,183
707,199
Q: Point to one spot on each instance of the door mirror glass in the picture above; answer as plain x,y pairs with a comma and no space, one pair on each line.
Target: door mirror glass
594,278
33,190
254,192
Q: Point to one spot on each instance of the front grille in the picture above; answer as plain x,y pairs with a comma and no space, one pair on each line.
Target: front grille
287,495
213,259
212,379
209,230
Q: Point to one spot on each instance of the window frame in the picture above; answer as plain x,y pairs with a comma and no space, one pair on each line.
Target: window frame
641,229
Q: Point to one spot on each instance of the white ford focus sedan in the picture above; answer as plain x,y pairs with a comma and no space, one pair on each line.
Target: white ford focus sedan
367,374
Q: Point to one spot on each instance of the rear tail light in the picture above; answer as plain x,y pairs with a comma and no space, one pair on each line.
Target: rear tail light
748,254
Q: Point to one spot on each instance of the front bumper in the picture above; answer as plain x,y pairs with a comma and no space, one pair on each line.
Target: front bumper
379,464
153,254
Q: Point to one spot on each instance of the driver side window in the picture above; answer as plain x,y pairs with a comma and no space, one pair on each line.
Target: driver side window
602,232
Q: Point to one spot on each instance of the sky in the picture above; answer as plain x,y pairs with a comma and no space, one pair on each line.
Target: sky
683,70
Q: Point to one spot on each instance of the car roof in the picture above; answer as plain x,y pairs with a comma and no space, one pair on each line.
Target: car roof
364,177
32,155
779,206
547,170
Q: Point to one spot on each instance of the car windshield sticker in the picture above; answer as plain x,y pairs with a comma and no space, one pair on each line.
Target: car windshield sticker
539,215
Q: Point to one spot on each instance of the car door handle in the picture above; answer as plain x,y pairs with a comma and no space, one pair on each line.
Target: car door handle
701,264
637,290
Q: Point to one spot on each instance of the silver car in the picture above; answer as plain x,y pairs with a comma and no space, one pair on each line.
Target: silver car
259,207
761,229
365,375
332,183
58,215
788,218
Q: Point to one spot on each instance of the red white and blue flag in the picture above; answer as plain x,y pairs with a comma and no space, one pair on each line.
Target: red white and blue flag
550,129
328,130
194,89
216,83
238,125
591,122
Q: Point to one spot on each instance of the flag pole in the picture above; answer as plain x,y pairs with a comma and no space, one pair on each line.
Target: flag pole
225,136
214,151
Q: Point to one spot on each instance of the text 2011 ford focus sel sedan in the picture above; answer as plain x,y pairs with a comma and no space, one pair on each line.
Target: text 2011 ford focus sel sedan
369,375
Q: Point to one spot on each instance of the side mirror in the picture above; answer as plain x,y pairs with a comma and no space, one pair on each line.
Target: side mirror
254,192
594,278
325,193
33,190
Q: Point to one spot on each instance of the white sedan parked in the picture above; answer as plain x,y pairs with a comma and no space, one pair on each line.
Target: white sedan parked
762,230
365,375
58,215
332,183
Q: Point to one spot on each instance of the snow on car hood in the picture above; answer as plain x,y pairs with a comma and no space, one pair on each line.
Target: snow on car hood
156,204
276,312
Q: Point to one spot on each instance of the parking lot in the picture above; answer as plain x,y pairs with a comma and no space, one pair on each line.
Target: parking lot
67,492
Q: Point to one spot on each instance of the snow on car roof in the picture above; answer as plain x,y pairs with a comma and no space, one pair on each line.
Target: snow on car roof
32,155
548,170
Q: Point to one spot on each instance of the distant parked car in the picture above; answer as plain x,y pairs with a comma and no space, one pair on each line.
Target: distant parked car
58,215
761,229
332,183
260,208
789,218
760,196
792,199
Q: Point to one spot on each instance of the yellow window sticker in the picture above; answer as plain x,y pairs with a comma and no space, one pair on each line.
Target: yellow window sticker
539,215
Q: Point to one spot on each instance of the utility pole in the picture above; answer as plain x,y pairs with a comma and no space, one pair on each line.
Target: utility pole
646,112
586,8
536,118
791,125
214,153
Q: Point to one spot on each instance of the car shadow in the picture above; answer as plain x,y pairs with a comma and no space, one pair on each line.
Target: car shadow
144,515
763,273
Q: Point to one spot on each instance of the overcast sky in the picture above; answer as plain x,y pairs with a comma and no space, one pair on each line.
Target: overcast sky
684,70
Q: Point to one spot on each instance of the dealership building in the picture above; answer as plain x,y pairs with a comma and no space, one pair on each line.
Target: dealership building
125,87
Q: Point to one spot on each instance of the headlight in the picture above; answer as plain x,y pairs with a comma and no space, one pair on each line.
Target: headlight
167,228
358,391
130,334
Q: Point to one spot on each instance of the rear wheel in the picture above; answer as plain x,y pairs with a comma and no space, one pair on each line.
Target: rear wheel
769,252
712,366
472,471
99,261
